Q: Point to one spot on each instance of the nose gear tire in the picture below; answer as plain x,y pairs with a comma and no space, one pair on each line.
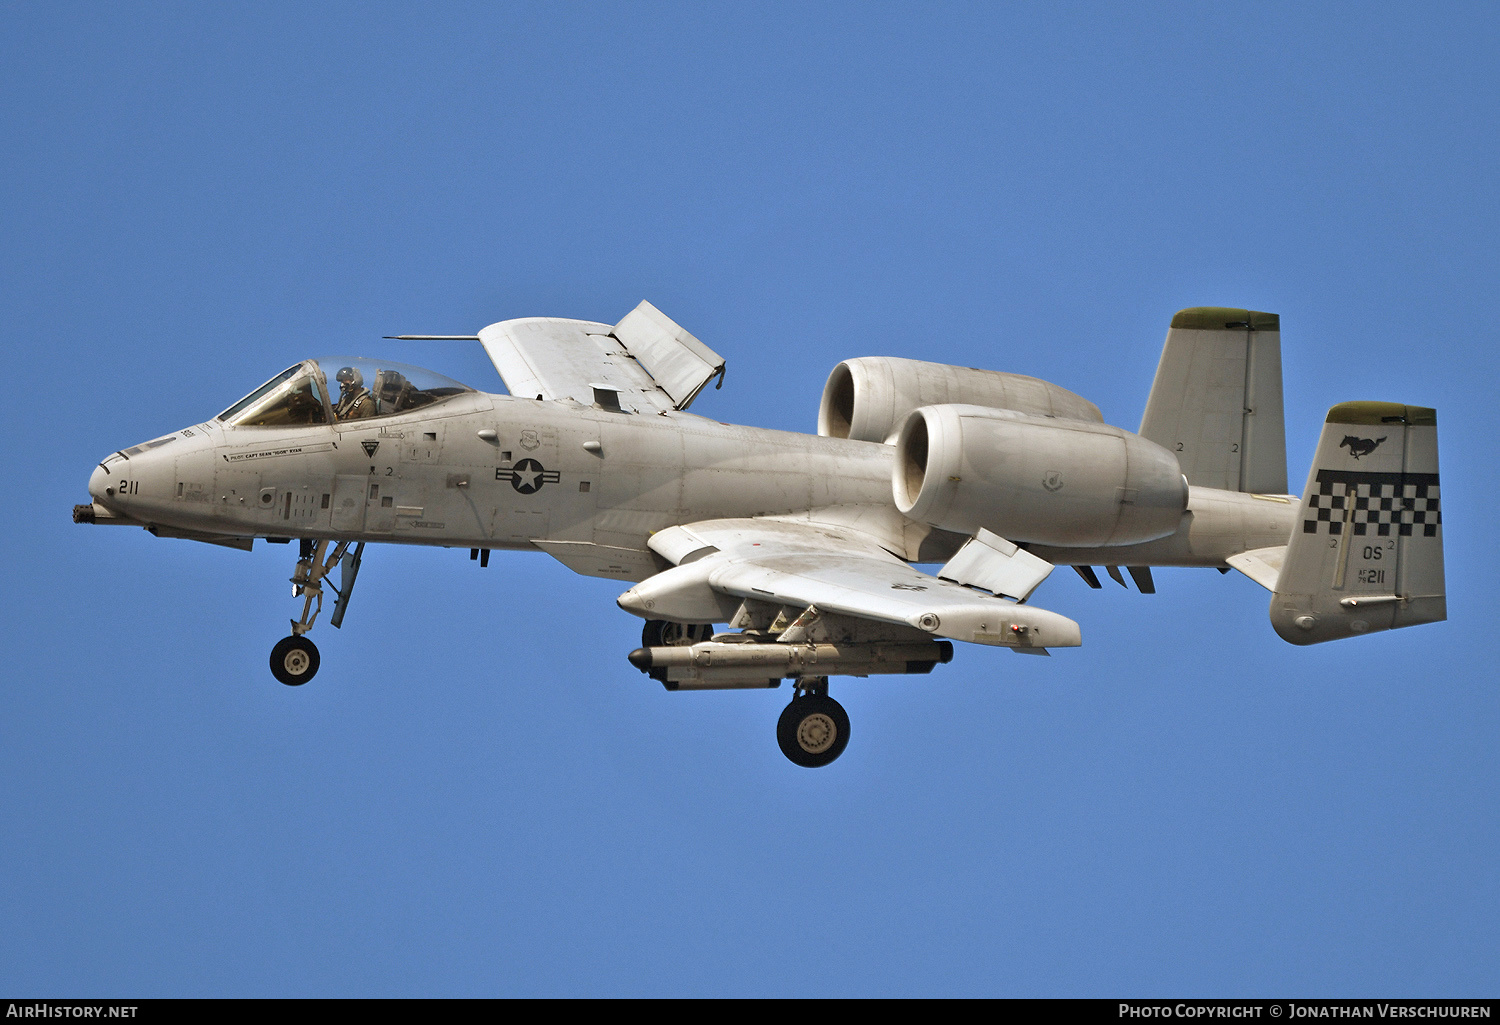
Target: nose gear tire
294,661
813,730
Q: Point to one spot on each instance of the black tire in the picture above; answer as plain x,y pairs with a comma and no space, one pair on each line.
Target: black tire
658,633
294,661
813,730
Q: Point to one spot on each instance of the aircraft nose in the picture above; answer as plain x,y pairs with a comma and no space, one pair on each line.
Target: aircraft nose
135,479
98,480
104,483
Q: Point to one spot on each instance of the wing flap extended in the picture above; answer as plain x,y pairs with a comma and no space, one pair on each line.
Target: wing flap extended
565,359
649,362
989,561
678,362
839,572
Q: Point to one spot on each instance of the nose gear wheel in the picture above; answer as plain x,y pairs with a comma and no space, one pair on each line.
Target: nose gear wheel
294,660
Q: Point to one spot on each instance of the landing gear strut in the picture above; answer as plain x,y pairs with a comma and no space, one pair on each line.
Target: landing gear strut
294,660
814,728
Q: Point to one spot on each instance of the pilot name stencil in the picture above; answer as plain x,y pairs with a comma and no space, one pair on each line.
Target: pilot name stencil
290,450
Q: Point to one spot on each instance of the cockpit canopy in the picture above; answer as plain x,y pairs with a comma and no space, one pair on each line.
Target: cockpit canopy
340,389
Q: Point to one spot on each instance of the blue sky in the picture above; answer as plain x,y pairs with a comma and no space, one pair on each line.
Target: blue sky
478,795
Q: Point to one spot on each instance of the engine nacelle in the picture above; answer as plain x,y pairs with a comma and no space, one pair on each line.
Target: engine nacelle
1027,478
865,398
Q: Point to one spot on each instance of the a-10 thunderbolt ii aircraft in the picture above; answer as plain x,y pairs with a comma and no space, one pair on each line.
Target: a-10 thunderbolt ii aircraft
802,544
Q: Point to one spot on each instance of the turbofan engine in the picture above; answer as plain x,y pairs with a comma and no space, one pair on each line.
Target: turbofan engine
865,398
1051,481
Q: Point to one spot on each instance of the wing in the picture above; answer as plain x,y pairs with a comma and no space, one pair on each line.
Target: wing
645,363
837,571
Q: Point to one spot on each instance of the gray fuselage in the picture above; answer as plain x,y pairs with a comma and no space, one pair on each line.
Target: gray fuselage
500,472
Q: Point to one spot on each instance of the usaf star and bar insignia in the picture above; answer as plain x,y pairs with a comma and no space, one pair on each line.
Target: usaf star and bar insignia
527,476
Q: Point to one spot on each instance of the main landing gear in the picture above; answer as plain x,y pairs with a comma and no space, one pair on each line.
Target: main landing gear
294,660
814,728
658,633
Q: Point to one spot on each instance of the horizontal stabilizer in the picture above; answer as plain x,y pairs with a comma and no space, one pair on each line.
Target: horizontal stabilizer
1367,551
1263,565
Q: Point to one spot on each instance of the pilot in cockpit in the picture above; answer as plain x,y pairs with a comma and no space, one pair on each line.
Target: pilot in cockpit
355,400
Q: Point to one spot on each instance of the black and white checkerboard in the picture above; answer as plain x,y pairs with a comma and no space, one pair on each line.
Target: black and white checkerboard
1374,503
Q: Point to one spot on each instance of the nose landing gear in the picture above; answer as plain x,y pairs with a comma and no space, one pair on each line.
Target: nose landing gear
294,659
814,729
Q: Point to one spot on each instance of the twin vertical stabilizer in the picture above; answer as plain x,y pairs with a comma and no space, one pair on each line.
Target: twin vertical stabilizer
1216,401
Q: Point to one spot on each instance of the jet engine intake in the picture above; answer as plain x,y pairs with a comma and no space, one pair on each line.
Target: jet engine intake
865,399
1037,479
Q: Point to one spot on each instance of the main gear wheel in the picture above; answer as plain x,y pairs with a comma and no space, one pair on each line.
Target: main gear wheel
813,730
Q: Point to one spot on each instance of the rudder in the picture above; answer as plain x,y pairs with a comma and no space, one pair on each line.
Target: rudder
1367,552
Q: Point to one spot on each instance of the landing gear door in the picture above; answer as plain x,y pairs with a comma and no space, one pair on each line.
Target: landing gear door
349,502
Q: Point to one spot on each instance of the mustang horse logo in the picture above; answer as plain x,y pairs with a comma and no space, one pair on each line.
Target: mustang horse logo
1360,446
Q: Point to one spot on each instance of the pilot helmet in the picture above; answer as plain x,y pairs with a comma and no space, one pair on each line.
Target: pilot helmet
350,378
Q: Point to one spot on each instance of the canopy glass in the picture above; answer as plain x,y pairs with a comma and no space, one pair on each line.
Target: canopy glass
340,389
